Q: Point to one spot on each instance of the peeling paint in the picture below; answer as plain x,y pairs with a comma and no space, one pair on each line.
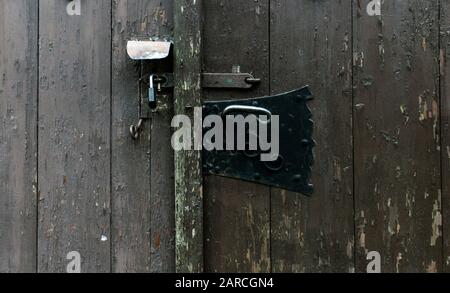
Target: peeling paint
361,231
358,59
337,170
437,221
423,109
404,111
390,138
393,224
398,260
409,202
349,249
448,153
432,267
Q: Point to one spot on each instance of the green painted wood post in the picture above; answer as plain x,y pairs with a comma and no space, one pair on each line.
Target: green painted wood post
188,175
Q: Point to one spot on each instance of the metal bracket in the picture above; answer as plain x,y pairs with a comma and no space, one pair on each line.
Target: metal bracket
151,85
163,82
209,80
148,50
292,169
229,80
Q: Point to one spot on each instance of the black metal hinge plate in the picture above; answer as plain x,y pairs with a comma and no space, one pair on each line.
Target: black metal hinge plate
292,170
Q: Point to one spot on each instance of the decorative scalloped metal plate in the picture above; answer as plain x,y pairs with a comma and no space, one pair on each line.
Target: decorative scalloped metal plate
292,171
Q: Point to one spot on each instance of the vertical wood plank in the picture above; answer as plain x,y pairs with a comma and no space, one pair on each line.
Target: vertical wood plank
188,171
142,172
397,154
237,213
74,135
162,161
18,138
445,127
311,44
162,189
238,226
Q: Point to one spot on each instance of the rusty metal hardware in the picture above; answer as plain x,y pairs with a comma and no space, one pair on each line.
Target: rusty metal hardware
146,50
159,81
292,168
252,80
229,80
135,130
210,80
156,48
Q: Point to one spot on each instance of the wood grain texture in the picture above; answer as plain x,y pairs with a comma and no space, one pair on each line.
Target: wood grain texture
18,138
311,45
397,154
238,227
188,171
162,200
77,182
445,127
142,172
162,188
237,213
74,135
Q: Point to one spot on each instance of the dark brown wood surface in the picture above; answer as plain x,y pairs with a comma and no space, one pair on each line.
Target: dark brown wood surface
311,45
162,189
162,183
71,178
74,135
76,152
397,142
143,205
130,191
237,214
18,143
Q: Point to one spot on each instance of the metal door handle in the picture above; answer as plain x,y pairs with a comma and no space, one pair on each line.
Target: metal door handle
250,110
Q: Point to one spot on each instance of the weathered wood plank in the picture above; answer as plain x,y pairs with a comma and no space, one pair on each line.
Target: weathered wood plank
18,135
188,171
238,226
162,188
162,158
130,162
445,128
397,156
237,213
316,234
142,173
74,135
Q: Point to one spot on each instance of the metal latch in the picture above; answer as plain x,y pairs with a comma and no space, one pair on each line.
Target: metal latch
154,83
229,80
147,50
291,170
209,80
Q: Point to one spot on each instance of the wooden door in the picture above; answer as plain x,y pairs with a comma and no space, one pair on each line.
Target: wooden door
288,44
73,180
380,125
71,177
